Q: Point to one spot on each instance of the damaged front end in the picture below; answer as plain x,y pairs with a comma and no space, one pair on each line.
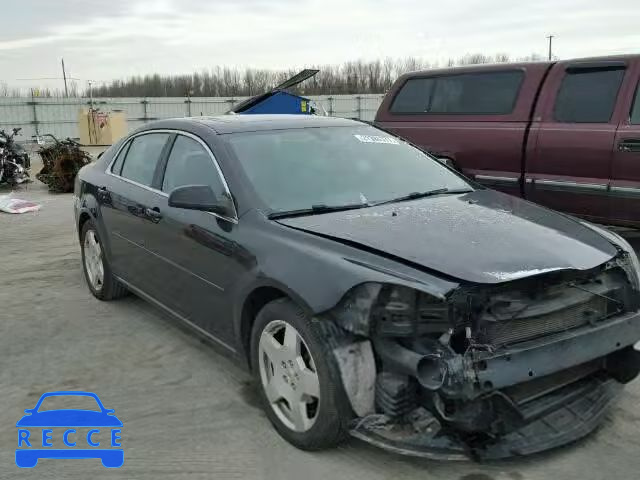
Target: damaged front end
487,371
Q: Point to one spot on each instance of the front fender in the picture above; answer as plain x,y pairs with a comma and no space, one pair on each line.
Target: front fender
317,272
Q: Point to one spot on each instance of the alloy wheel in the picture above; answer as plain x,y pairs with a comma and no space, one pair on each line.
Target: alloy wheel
289,377
93,262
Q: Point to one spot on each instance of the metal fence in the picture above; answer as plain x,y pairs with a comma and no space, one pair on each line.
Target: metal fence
59,116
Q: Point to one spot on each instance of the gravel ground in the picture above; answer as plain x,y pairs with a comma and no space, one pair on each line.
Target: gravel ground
188,412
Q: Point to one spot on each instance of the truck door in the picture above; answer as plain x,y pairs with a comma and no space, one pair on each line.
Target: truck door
476,116
572,138
625,174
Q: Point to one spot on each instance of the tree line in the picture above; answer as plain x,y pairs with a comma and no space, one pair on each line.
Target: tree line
358,76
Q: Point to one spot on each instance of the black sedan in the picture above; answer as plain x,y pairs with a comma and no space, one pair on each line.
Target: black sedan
370,289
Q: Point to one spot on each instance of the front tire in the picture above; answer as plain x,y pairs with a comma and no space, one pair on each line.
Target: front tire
299,383
97,272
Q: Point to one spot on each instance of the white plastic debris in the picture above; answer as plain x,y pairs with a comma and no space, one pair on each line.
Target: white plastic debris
11,204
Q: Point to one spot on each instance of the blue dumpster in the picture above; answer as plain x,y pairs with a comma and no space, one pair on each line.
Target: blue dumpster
279,100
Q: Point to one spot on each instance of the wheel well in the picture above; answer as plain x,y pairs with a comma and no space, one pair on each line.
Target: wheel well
83,219
252,306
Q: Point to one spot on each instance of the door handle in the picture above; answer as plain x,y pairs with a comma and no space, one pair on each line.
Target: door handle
629,145
153,213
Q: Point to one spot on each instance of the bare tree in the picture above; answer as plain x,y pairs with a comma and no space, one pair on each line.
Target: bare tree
357,76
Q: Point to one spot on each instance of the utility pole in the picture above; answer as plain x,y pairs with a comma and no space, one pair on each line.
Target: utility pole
550,37
91,94
64,76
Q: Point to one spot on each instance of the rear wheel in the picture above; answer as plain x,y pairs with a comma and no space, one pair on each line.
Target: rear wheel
97,271
299,383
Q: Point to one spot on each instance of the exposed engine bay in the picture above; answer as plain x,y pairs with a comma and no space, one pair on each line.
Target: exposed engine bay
488,371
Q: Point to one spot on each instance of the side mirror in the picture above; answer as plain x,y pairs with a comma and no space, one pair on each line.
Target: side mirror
200,197
29,410
100,155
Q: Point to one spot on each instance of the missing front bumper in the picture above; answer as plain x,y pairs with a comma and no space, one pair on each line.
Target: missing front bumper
518,401
580,415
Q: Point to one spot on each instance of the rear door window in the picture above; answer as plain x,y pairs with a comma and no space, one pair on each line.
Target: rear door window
117,164
588,95
189,163
142,157
484,93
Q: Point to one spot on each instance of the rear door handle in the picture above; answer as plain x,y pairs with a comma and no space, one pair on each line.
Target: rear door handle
629,145
153,214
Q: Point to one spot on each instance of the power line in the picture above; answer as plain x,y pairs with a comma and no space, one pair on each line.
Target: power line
45,78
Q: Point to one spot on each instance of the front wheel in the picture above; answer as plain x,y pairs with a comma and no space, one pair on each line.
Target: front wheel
300,385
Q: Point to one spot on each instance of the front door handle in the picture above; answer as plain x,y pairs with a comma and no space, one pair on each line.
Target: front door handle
153,214
629,145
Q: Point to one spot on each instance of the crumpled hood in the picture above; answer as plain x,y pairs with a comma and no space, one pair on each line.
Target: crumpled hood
482,236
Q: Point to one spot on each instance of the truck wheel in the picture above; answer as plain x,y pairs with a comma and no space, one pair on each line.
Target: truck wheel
300,386
97,272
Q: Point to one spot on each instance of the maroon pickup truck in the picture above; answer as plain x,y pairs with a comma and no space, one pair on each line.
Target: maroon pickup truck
563,134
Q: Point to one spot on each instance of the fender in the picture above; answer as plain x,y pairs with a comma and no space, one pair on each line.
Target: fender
337,268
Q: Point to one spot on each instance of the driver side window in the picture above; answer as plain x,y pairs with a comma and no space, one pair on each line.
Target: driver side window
189,163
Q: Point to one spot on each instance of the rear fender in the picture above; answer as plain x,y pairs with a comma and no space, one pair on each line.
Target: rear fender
87,205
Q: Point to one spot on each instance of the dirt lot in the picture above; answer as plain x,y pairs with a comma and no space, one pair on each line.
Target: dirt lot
187,411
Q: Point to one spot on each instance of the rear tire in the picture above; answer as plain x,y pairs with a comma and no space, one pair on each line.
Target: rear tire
97,272
311,381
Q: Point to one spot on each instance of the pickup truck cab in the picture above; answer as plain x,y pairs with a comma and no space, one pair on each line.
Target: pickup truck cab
563,134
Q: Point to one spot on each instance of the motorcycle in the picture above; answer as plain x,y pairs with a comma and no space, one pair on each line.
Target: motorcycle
14,160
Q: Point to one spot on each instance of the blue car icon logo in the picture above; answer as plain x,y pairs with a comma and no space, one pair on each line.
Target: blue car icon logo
94,433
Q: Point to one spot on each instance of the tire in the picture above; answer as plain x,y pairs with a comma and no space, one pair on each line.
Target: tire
331,413
109,288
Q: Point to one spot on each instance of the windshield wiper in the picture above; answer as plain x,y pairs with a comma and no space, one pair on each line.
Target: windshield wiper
322,208
316,209
415,195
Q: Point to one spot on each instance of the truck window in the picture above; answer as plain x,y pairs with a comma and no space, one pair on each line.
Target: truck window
588,95
485,93
635,109
414,96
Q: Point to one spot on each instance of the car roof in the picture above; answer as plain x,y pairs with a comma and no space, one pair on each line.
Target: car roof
224,124
488,67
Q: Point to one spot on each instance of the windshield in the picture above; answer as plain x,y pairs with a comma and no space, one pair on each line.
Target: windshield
301,168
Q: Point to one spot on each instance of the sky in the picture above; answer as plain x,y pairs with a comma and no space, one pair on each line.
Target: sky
104,40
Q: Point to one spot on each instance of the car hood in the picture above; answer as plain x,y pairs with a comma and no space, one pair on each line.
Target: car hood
481,236
69,418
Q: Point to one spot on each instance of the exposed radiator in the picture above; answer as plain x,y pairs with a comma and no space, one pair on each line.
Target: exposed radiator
521,329
517,316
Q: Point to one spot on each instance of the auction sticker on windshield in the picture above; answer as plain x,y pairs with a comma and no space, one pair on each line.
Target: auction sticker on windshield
377,139
69,425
